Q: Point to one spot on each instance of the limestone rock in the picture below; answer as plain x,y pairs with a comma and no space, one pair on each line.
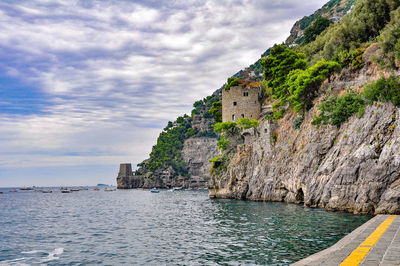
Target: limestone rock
354,168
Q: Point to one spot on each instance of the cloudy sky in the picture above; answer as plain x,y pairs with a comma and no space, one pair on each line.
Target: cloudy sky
86,85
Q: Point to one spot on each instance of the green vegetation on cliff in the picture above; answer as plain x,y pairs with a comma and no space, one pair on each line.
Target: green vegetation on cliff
336,110
290,80
293,84
363,24
390,40
167,151
383,90
216,111
231,82
228,130
316,29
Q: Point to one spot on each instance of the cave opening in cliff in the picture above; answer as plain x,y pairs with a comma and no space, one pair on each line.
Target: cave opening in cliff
300,196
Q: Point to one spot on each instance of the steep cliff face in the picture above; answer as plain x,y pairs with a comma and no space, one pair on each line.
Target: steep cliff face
197,152
354,168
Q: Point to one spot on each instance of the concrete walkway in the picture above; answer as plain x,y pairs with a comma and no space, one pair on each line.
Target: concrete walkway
377,242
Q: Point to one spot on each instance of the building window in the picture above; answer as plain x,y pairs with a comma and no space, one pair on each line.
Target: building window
234,103
246,93
233,117
242,115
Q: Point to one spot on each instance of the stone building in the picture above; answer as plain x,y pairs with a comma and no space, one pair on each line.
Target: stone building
242,101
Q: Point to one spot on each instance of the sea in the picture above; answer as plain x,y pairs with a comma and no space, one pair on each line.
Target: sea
137,227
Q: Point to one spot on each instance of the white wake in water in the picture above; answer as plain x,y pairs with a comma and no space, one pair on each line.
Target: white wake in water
12,262
53,255
33,252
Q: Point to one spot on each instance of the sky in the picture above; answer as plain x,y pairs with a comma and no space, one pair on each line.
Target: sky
86,85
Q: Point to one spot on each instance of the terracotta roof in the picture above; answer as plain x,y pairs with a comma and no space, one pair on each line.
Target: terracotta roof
249,83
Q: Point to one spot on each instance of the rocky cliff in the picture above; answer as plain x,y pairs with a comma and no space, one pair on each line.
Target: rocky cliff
197,152
353,168
182,153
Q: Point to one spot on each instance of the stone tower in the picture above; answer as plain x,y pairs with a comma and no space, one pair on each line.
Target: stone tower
125,169
242,101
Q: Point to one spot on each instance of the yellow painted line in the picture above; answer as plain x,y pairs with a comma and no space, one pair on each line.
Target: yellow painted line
357,256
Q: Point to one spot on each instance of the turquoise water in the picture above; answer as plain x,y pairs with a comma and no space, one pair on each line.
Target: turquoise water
168,228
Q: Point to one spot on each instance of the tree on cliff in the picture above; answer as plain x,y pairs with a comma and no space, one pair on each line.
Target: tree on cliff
216,111
303,85
278,65
316,29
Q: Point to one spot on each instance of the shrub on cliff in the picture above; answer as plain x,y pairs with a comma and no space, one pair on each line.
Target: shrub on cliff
297,121
303,85
390,40
319,25
336,110
364,23
352,57
223,143
246,123
232,81
229,128
383,90
216,111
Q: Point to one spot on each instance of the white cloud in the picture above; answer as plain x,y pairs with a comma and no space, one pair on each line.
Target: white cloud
115,72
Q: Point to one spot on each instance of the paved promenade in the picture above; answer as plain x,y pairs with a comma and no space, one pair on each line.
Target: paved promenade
377,242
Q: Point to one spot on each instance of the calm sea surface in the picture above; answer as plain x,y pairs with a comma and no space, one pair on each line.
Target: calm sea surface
168,228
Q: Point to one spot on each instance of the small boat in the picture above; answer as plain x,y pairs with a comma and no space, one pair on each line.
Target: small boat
178,188
110,189
47,191
66,191
75,189
154,190
96,189
14,190
25,188
1,192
